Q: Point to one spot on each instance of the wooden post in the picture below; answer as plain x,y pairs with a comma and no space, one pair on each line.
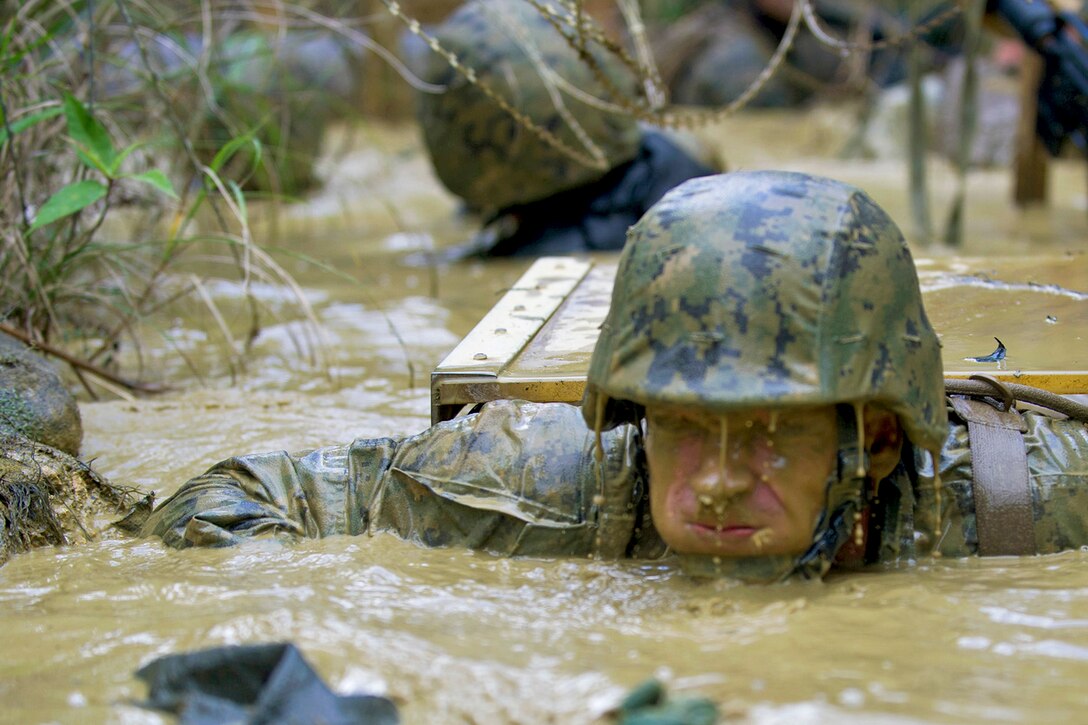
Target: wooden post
383,94
1030,165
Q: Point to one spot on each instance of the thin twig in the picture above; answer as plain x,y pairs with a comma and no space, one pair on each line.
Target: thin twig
82,364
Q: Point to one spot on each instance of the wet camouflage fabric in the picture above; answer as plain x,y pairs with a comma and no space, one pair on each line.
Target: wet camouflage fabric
1057,453
757,289
517,478
521,478
478,150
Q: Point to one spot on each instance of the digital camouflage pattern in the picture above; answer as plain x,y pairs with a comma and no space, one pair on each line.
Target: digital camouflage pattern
764,289
479,151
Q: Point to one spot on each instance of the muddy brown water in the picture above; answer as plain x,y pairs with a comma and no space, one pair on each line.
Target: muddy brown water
459,636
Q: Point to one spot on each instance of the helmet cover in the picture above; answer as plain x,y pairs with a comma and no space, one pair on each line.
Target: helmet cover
767,289
478,149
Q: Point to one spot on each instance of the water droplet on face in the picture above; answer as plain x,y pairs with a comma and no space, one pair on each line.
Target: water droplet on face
500,330
480,356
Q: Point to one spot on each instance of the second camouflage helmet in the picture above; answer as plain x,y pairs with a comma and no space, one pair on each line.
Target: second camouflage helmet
766,289
479,150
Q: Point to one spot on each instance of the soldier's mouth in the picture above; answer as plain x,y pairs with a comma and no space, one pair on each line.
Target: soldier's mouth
724,531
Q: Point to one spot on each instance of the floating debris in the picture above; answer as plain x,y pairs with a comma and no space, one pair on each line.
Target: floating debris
1049,318
996,356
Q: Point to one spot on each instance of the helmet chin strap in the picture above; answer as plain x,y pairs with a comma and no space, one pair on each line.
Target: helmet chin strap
844,498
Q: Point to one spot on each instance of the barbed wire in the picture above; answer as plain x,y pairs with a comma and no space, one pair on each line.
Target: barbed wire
469,74
546,76
649,105
824,36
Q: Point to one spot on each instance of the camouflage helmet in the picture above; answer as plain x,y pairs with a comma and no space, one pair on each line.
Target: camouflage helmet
764,289
479,151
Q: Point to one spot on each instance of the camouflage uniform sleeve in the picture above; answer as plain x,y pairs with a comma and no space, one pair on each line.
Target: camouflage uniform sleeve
271,494
1057,455
515,478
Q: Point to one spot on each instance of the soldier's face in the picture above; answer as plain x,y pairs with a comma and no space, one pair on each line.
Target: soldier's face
745,484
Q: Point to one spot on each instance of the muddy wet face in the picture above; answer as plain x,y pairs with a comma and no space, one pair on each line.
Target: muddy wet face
750,483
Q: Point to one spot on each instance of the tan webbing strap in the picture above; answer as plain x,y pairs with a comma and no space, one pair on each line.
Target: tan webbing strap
999,465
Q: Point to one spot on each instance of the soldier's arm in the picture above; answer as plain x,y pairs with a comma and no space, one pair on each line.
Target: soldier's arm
515,478
271,494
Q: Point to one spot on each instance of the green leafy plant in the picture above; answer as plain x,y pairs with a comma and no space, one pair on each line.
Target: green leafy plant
127,174
96,151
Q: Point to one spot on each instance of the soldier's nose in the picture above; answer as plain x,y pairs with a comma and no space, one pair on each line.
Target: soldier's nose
720,479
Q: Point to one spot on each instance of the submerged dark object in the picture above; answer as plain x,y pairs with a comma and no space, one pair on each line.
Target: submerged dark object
262,683
996,356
